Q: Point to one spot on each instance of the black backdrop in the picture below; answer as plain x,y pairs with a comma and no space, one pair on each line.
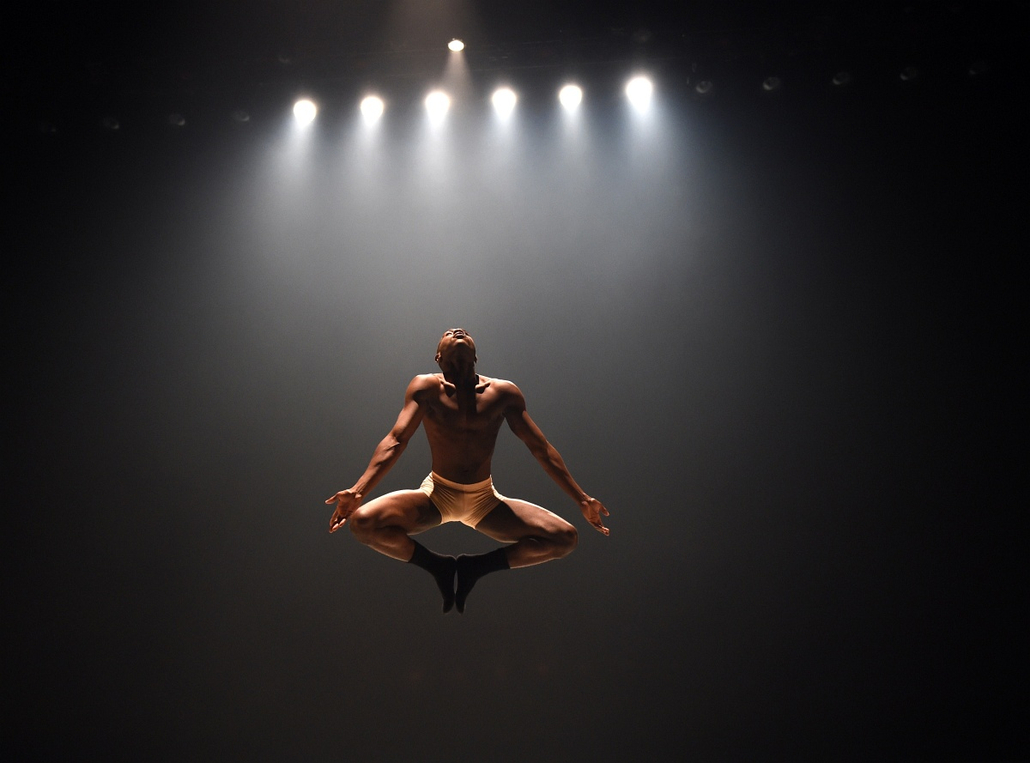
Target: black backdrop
782,337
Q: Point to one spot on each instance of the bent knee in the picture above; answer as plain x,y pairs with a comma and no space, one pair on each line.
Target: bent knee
362,524
566,538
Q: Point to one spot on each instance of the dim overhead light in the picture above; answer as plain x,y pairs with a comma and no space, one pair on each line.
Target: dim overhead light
909,74
456,45
978,67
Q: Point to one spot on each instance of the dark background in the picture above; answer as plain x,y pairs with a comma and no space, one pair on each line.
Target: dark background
780,334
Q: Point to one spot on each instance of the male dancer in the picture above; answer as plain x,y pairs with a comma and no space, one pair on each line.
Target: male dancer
462,413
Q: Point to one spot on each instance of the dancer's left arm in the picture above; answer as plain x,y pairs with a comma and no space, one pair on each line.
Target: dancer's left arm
549,458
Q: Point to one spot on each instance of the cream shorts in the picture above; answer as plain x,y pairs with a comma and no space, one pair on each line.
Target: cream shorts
467,504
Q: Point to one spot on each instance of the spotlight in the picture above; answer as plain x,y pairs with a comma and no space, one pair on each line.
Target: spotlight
372,108
841,78
437,104
304,111
639,90
456,45
503,100
772,84
570,96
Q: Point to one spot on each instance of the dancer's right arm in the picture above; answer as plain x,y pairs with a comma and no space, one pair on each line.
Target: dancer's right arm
386,453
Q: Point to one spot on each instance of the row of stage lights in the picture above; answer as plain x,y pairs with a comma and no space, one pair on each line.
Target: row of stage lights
638,91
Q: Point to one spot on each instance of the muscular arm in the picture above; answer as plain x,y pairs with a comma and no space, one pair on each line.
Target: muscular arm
550,459
385,456
392,446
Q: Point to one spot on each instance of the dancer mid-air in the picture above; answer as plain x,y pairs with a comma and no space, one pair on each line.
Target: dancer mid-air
462,413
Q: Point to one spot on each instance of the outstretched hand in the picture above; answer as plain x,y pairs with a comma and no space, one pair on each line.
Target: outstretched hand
347,502
593,510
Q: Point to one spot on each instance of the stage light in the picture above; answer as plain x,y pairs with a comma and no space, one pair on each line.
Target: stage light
437,104
570,96
639,90
456,45
304,112
372,108
503,99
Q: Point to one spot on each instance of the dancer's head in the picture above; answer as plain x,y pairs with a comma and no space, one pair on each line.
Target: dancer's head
456,345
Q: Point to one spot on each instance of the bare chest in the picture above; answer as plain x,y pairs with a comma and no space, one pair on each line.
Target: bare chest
466,411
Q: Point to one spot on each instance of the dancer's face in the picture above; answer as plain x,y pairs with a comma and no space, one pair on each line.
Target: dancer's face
455,341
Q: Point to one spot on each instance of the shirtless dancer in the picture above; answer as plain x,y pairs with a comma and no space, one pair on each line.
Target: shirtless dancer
462,412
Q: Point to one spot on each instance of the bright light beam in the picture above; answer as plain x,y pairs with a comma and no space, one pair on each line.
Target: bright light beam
504,99
372,108
570,96
456,45
437,104
304,112
638,91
